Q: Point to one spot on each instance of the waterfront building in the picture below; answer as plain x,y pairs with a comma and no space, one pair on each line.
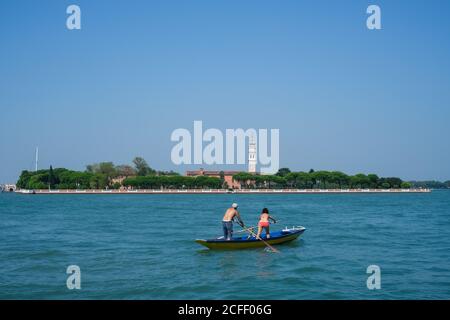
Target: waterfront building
227,176
8,188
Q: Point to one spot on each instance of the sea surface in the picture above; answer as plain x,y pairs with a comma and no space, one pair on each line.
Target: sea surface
142,247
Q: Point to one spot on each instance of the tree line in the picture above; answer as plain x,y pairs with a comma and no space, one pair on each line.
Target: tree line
96,176
284,178
431,184
173,182
140,175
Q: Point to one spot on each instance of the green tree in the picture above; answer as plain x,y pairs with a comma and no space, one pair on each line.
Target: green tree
51,177
363,181
246,179
291,179
340,179
321,178
305,180
24,179
430,184
105,170
394,182
108,169
172,182
98,181
141,166
167,173
125,170
373,180
283,172
405,185
222,180
279,182
97,176
116,186
385,185
93,168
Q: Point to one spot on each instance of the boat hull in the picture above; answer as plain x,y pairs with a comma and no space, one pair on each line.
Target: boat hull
278,237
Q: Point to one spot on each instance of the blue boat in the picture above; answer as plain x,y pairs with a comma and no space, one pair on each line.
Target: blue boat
245,242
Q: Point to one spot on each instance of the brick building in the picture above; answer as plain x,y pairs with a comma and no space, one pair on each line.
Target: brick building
227,176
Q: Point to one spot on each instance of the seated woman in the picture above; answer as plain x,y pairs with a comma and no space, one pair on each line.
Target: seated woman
264,223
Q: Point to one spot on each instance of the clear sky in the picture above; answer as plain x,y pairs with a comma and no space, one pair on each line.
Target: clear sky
344,97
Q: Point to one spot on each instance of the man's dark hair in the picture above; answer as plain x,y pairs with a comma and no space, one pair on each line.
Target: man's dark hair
265,210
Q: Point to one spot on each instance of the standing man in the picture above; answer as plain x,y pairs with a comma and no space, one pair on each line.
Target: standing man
228,219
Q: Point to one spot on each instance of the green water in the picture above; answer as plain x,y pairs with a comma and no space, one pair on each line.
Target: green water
141,247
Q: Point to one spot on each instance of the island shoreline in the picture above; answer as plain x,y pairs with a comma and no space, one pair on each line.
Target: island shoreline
224,191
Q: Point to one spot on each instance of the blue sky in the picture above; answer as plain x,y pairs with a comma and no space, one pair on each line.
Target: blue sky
344,97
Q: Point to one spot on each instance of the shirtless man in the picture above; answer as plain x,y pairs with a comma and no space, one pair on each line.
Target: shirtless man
227,221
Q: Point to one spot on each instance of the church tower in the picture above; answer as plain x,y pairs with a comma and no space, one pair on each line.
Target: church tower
252,154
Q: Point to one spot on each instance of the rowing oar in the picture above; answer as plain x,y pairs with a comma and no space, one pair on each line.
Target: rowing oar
246,229
251,228
265,242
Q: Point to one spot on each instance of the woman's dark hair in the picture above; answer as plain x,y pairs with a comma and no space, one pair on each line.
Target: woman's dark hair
265,210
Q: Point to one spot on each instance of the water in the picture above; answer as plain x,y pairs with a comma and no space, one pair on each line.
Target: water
141,247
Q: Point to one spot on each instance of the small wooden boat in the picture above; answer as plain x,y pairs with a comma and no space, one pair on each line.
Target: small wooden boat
245,242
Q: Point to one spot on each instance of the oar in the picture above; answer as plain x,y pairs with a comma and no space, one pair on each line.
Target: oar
252,227
265,242
246,229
